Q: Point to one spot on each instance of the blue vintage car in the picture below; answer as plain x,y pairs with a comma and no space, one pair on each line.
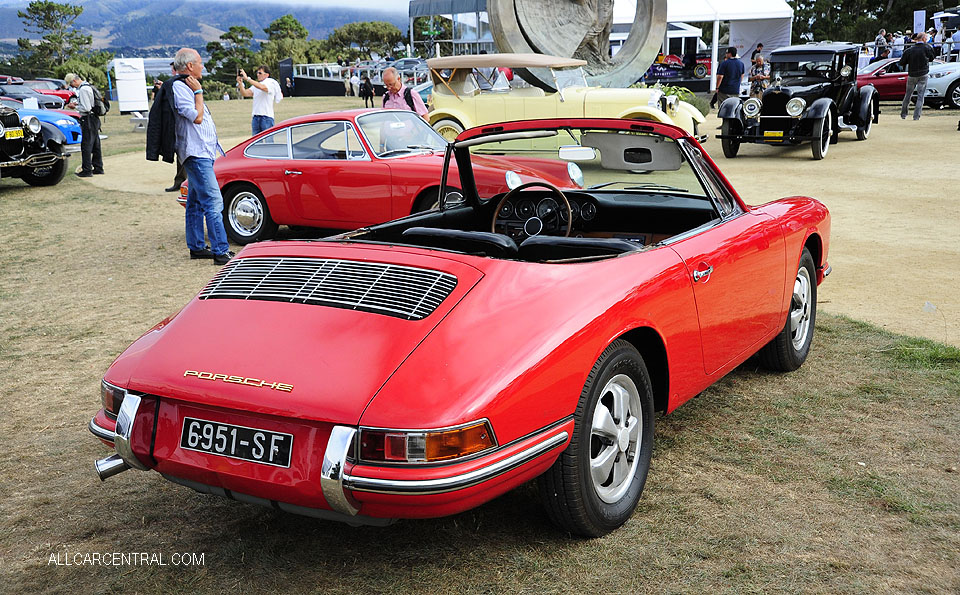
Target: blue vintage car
68,125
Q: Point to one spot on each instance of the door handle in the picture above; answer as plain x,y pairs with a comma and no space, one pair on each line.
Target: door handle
697,275
290,172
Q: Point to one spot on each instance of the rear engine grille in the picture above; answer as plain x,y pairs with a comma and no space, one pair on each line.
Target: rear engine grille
399,291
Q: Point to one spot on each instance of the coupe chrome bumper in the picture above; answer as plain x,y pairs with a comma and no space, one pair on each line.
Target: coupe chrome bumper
124,459
37,160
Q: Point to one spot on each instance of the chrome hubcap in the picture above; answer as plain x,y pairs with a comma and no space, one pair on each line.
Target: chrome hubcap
246,213
800,307
955,97
614,438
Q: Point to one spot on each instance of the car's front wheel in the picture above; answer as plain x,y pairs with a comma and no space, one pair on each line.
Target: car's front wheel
863,130
790,348
45,176
448,129
594,487
246,216
821,136
953,94
731,146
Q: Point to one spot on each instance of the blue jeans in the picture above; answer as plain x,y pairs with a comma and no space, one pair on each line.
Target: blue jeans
261,123
204,201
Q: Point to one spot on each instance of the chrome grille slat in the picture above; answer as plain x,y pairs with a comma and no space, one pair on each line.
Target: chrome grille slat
392,290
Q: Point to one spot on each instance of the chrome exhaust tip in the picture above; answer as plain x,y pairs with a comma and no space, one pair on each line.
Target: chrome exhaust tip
109,466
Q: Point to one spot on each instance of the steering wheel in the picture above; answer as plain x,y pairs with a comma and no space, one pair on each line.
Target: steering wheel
536,225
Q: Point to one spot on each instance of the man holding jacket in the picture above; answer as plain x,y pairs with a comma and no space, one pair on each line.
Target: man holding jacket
89,127
917,60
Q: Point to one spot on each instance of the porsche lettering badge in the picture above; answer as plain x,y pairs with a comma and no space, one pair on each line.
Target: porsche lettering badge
256,382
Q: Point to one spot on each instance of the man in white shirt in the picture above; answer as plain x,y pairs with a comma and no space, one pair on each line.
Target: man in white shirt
265,92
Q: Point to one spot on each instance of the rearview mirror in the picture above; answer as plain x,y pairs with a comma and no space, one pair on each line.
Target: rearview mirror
577,153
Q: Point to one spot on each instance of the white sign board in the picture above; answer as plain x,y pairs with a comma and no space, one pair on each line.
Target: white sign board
919,21
131,84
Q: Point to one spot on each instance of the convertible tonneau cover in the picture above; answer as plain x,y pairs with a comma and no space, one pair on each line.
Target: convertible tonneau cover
506,60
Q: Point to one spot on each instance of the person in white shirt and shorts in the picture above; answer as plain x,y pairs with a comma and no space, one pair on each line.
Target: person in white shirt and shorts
265,92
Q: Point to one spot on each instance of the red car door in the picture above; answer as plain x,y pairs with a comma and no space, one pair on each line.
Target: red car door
332,180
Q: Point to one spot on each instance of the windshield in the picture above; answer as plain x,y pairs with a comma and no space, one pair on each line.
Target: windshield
810,65
567,78
399,132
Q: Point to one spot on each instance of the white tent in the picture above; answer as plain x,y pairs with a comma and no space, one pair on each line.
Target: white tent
751,22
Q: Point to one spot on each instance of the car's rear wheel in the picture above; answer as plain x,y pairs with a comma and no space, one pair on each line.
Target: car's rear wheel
246,216
731,146
953,94
821,136
448,128
790,348
594,487
863,130
45,176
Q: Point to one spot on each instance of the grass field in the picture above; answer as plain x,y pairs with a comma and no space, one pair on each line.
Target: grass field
839,478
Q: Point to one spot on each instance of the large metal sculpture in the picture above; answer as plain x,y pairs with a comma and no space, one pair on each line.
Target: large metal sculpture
580,29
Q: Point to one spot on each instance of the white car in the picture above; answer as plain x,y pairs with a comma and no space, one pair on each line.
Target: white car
943,84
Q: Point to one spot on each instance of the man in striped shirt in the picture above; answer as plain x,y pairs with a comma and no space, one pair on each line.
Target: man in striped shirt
197,146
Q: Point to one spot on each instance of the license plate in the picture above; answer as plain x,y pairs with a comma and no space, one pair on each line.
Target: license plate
773,133
13,133
237,442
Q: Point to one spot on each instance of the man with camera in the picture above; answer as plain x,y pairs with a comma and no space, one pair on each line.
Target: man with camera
265,92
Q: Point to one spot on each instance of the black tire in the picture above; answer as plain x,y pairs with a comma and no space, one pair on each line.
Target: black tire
730,146
700,71
428,200
789,349
822,134
863,130
953,94
45,176
246,216
448,128
571,494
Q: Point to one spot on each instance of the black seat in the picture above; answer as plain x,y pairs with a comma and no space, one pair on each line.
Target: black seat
539,248
483,243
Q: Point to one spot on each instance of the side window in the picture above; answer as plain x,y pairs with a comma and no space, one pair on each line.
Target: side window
321,140
273,146
344,144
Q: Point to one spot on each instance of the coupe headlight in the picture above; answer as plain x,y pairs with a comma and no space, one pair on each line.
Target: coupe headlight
795,107
575,173
513,179
32,124
406,446
751,107
112,397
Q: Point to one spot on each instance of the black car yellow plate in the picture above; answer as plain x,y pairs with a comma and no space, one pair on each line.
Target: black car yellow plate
773,134
237,442
13,133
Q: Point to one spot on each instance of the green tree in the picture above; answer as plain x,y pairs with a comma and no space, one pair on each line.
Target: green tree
854,20
427,30
230,53
369,36
286,27
286,38
91,68
59,41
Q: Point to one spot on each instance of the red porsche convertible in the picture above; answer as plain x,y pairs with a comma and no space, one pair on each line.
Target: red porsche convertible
343,170
426,365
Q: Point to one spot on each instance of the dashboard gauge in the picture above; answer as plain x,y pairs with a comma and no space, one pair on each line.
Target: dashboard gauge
574,210
526,209
506,211
547,208
588,211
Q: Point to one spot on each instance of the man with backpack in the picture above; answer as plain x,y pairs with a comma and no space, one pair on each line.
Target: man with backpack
91,106
399,96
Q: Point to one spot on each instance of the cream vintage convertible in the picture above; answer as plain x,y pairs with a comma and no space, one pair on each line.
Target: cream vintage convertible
459,102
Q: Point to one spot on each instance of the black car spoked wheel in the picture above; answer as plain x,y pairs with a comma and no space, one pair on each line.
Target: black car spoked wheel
49,175
790,348
953,94
595,485
731,146
821,136
246,216
863,130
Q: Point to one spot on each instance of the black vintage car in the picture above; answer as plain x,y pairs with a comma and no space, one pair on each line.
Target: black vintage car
30,149
812,96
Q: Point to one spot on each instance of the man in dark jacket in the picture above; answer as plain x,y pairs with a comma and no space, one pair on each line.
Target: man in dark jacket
917,60
162,132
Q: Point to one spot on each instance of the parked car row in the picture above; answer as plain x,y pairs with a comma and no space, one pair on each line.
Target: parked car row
890,80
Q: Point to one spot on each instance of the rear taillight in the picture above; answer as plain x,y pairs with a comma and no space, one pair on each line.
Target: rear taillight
112,397
411,446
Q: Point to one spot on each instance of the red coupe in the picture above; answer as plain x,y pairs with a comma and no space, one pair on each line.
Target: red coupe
343,170
889,78
424,366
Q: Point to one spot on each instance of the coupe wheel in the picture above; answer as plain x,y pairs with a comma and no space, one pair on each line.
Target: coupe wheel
821,136
731,146
46,176
246,216
863,131
953,94
448,129
595,485
790,348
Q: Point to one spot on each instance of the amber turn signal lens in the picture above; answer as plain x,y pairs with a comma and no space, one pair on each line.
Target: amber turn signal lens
111,396
425,446
452,444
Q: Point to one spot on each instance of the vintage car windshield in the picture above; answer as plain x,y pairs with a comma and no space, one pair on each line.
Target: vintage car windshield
398,132
802,65
567,78
598,159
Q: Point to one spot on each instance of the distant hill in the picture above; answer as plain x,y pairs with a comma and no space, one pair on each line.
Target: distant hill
144,24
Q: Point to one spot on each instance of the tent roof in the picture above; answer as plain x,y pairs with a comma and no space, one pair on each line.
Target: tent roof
688,11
